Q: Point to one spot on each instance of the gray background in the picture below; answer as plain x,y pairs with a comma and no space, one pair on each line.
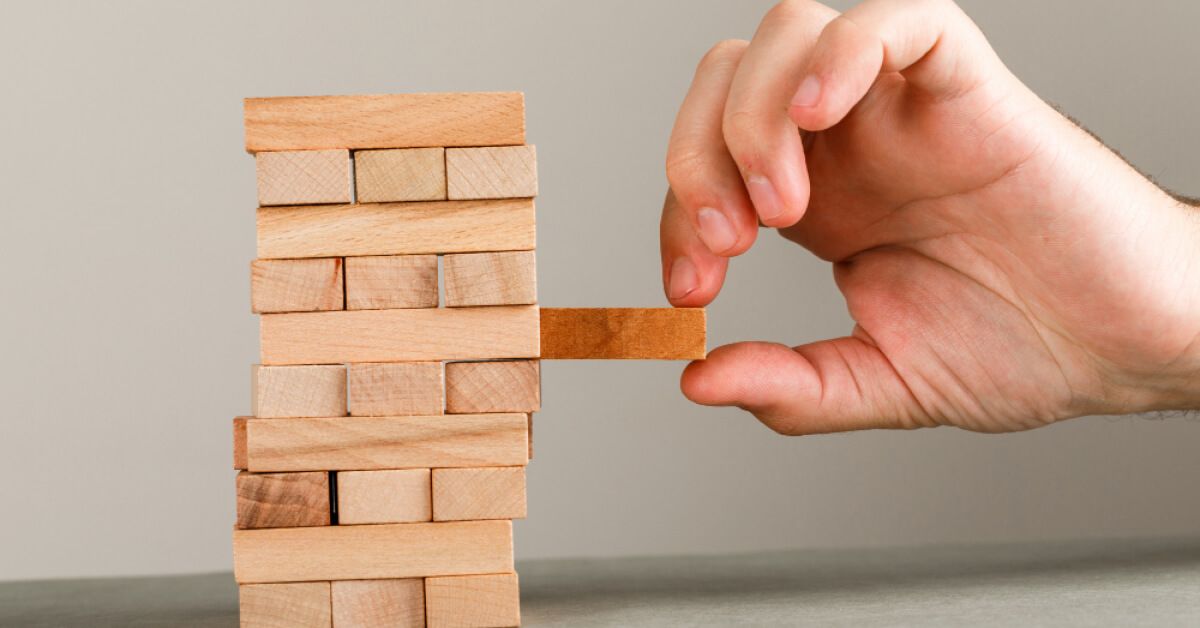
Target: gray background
128,224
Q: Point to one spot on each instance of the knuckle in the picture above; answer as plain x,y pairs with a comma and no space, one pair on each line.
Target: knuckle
740,128
684,168
724,51
790,11
787,10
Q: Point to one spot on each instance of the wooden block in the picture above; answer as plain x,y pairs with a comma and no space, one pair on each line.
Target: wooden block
295,285
298,391
297,605
385,121
401,550
505,278
490,601
393,496
391,282
282,500
501,386
491,172
303,177
622,333
368,443
395,228
398,603
482,493
397,389
239,443
400,335
400,174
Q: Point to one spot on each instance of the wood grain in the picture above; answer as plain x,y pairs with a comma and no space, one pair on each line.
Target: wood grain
282,500
397,389
298,391
497,386
502,278
385,121
402,550
487,601
397,603
293,605
396,228
481,493
239,443
303,177
369,443
400,335
491,172
623,333
391,496
400,174
388,282
529,427
295,285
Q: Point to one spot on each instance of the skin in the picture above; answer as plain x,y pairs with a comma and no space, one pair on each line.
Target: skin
1004,269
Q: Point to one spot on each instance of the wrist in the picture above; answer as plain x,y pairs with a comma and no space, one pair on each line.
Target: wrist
1157,366
1173,379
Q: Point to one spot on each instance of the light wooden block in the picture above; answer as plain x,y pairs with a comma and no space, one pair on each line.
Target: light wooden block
282,500
482,493
303,177
369,443
293,605
622,333
396,228
491,172
389,282
402,550
392,496
298,391
504,278
398,603
295,285
385,121
500,386
401,174
487,601
400,335
397,389
239,443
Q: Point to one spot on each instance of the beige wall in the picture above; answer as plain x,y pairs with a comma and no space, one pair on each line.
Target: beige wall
127,227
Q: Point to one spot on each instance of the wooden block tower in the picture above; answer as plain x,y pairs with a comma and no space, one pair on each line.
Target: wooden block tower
392,412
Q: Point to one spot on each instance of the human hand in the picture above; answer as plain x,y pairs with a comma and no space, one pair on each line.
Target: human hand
1004,269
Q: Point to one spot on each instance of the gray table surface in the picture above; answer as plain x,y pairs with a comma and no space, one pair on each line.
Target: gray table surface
1111,583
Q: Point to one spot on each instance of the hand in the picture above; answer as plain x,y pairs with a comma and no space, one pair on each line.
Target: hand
1004,269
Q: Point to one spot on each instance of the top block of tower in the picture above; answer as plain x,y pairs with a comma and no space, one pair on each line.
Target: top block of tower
385,121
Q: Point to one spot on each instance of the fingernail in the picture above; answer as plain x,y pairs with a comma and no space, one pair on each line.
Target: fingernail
766,200
683,279
715,230
809,92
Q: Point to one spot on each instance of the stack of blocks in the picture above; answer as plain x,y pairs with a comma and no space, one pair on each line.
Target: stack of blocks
385,458
386,454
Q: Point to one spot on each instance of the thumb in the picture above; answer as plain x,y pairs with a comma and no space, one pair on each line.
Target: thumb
830,386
